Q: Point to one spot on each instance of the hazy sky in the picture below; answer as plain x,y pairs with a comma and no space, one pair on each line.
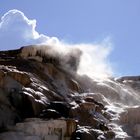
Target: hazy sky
88,21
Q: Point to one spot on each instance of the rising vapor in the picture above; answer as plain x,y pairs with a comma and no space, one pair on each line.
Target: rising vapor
90,59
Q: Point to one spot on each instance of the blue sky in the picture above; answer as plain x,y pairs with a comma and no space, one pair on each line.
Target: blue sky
89,21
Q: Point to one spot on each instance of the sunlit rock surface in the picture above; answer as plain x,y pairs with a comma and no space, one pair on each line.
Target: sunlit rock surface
43,98
42,129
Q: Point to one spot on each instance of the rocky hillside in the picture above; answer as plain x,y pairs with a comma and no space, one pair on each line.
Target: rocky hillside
43,99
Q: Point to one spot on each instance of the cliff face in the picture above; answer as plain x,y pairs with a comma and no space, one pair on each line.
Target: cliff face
42,99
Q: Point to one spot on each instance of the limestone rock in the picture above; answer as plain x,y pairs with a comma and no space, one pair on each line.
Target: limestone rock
109,134
59,129
50,114
36,83
87,133
17,136
136,130
87,114
131,115
74,86
21,77
8,117
61,107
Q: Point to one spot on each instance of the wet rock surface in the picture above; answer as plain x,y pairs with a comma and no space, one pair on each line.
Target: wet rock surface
41,100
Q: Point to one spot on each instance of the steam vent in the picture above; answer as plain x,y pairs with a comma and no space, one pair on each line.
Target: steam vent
43,98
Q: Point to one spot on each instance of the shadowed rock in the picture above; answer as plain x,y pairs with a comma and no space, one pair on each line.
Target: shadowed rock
35,83
61,107
50,114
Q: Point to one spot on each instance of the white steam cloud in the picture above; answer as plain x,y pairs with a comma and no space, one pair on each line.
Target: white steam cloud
17,30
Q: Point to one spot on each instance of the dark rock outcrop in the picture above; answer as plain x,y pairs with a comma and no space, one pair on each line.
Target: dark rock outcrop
42,99
88,133
35,87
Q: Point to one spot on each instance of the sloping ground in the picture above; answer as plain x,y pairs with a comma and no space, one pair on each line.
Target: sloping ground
62,104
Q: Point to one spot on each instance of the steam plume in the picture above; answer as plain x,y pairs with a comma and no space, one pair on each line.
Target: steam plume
17,30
